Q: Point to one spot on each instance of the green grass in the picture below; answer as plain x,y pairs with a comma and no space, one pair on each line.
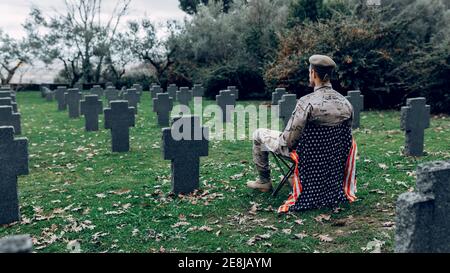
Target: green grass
78,190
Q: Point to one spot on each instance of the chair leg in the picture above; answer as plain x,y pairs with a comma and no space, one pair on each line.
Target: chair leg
285,179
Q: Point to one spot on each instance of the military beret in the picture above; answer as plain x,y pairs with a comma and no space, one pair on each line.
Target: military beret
322,61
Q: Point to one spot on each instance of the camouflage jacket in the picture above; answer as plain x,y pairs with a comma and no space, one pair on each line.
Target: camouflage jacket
324,106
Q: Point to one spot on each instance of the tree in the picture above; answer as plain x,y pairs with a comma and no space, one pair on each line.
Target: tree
78,37
146,47
13,55
191,6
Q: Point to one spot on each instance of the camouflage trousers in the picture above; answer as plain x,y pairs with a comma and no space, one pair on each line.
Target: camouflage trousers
265,141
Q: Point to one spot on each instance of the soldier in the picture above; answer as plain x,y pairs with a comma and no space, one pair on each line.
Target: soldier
324,106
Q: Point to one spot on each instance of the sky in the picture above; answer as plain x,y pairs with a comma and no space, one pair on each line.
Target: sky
14,12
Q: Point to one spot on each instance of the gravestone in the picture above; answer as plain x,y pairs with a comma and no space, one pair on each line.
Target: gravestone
234,90
9,118
8,94
138,88
61,98
184,96
18,244
156,89
415,118
91,107
185,152
172,90
78,86
109,84
198,91
133,99
162,106
73,98
119,118
13,162
49,95
226,101
277,95
9,102
286,107
97,90
423,218
357,101
111,94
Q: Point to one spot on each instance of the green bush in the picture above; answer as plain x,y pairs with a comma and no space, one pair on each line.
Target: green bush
249,81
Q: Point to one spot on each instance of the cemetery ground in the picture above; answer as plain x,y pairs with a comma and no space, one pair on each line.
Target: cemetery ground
79,192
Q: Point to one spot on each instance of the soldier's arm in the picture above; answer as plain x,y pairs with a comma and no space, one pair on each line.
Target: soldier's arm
296,124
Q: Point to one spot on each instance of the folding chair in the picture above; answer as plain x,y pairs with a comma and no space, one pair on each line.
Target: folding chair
290,170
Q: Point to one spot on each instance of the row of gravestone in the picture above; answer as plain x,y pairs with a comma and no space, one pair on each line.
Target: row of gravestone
13,156
415,116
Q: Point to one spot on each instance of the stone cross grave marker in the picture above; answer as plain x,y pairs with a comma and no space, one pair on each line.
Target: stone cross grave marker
415,118
286,107
198,91
185,152
61,98
97,90
73,98
13,162
16,244
226,101
112,94
423,218
162,106
133,98
234,90
172,90
156,89
8,94
91,108
277,95
119,118
9,102
9,118
184,96
357,101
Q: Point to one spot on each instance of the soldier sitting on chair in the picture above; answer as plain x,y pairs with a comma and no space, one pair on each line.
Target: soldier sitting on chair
324,107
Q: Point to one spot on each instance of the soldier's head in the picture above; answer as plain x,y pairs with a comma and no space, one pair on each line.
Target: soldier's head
321,69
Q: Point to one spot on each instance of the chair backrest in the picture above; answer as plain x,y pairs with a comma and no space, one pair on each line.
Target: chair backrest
323,152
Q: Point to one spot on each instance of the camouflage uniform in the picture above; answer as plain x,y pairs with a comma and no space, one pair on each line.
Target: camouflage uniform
325,107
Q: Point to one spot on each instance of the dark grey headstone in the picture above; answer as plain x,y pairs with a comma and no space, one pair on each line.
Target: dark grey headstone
286,107
8,94
9,118
73,98
357,101
13,162
234,90
119,118
415,118
156,89
185,152
112,94
61,98
97,90
198,90
184,96
91,107
16,244
423,218
226,101
133,98
162,106
172,90
9,102
49,96
138,87
277,95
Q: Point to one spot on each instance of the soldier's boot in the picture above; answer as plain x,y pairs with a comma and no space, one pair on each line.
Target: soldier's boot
260,185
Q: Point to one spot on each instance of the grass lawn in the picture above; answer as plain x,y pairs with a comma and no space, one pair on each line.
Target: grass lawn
77,190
